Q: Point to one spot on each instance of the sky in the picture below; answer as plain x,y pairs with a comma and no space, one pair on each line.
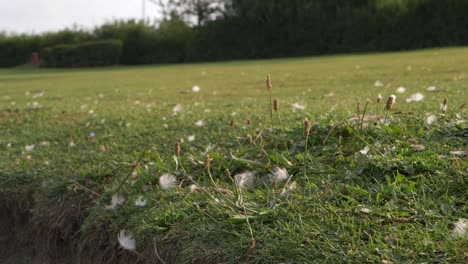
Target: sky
37,16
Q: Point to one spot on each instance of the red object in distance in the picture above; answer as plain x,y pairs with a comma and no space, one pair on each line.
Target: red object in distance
35,58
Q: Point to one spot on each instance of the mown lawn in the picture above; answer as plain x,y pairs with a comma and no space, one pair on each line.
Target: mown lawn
378,186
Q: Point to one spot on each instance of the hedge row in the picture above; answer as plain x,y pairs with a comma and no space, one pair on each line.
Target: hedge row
16,50
95,53
145,44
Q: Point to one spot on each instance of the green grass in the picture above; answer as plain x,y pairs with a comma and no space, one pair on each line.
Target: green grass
347,207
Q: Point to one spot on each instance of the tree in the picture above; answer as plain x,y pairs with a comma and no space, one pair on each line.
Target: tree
195,12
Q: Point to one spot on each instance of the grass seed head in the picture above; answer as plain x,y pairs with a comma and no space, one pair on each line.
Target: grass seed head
252,244
276,105
268,82
208,160
306,127
358,108
231,124
390,101
177,149
228,173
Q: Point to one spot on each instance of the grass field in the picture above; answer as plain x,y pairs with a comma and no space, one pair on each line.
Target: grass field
379,186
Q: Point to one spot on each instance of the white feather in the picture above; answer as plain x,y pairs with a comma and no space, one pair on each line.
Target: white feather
200,123
193,188
298,106
400,89
461,229
140,202
196,89
29,147
126,240
116,200
431,88
279,175
431,119
417,97
176,109
245,180
167,181
365,150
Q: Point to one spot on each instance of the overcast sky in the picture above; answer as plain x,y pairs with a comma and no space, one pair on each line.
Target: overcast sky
36,16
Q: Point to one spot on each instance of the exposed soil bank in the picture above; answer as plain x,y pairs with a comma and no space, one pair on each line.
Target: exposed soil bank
15,246
27,237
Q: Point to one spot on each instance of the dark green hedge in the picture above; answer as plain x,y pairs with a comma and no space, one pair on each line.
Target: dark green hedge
95,53
144,44
16,50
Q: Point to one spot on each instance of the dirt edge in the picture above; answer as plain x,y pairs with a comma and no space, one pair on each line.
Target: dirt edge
30,234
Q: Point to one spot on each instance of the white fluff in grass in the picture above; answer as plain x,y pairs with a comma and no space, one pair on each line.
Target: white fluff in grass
459,153
417,97
29,147
44,143
431,119
363,209
460,230
167,181
401,90
379,98
279,174
193,188
191,138
195,88
298,106
431,88
176,109
364,151
378,84
208,148
276,176
38,94
245,180
140,202
126,240
200,123
418,147
288,189
116,200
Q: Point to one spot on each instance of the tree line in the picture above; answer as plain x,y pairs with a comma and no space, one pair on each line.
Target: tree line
213,30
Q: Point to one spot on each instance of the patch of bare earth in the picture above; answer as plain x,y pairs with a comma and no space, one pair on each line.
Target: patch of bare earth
31,235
